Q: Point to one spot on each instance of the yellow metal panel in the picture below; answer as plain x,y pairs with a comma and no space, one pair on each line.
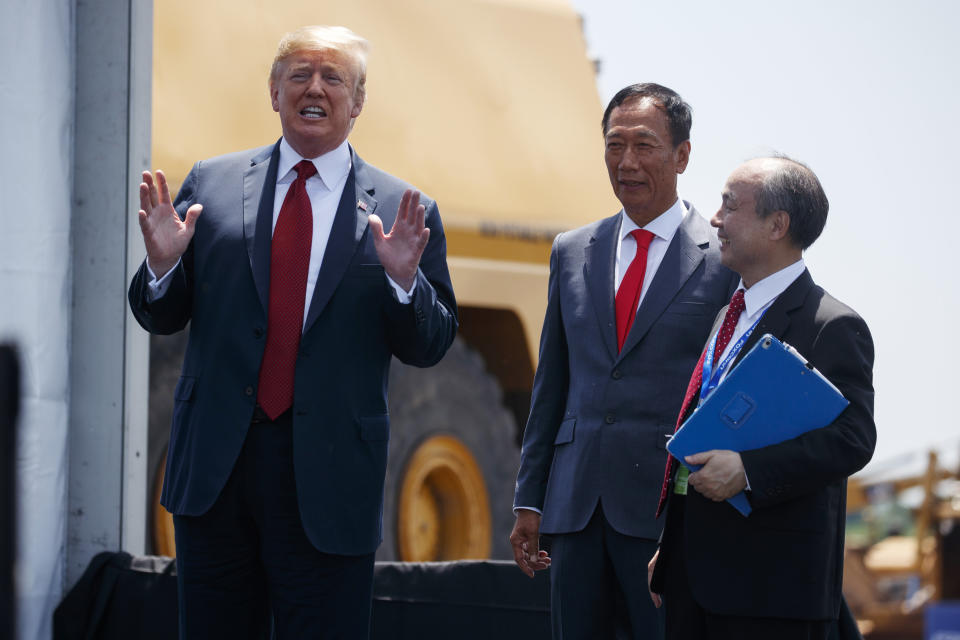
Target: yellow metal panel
488,105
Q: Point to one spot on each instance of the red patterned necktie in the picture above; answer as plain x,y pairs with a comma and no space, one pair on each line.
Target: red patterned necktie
628,295
693,388
289,263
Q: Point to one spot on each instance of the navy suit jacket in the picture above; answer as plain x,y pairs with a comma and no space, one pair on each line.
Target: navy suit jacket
599,419
786,559
353,327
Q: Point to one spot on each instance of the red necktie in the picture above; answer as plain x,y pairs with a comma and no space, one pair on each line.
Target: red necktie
289,262
693,388
628,295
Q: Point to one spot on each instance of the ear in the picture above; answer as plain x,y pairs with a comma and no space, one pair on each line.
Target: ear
682,155
357,104
274,96
779,225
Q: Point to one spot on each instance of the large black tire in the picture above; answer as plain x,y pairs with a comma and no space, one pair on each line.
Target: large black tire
456,397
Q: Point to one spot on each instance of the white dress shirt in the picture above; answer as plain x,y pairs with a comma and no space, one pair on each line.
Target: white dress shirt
324,189
758,299
663,228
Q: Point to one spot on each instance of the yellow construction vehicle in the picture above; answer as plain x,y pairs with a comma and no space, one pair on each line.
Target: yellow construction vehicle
489,106
900,565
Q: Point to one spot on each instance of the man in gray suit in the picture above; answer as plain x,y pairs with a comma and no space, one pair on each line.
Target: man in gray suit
631,300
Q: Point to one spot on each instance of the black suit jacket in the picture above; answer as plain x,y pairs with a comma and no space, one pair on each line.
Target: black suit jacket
353,327
786,559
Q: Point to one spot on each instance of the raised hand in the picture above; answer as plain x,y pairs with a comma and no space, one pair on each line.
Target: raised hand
165,235
401,249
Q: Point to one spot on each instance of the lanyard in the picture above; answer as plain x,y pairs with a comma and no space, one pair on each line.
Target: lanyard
712,378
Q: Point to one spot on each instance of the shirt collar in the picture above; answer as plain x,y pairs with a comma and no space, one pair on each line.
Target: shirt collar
761,294
331,166
663,226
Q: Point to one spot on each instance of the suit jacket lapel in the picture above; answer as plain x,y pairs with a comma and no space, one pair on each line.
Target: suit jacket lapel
600,257
259,189
349,225
685,253
776,319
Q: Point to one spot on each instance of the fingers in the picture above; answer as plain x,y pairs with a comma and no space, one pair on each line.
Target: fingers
525,540
145,203
376,224
192,214
422,241
538,562
420,218
150,196
699,458
408,205
164,195
519,543
410,212
651,566
520,556
404,204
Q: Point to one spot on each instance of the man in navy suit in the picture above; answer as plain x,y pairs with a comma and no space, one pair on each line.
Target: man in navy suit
630,301
297,300
778,572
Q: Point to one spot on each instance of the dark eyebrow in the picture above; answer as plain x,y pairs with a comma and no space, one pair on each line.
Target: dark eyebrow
640,134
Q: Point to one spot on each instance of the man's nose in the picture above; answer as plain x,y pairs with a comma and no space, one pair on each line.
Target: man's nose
630,159
315,87
715,220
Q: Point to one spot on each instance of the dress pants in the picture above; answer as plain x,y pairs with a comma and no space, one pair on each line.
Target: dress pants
246,564
687,620
598,585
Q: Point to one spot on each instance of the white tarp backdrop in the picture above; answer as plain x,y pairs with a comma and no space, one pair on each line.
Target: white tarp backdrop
36,178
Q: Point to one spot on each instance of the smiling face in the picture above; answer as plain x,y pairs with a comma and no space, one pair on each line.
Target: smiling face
316,97
642,161
749,244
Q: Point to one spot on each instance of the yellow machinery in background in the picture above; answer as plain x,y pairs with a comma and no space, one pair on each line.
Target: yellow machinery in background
489,106
906,563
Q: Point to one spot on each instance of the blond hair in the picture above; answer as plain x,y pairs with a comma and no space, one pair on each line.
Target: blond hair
320,38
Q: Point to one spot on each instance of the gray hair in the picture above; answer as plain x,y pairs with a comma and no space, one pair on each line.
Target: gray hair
793,187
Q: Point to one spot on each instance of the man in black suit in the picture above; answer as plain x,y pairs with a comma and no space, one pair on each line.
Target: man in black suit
297,301
777,573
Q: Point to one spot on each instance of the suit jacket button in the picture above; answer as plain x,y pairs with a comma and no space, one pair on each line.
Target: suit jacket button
610,419
617,374
258,332
249,390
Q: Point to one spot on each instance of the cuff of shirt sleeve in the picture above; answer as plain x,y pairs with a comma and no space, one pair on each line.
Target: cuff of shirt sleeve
403,297
156,288
515,509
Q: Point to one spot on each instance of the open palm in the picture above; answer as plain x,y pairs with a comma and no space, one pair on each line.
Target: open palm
401,249
165,235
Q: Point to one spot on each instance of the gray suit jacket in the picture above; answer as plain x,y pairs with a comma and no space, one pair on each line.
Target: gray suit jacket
599,419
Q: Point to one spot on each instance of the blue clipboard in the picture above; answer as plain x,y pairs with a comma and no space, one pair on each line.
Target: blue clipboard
772,395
